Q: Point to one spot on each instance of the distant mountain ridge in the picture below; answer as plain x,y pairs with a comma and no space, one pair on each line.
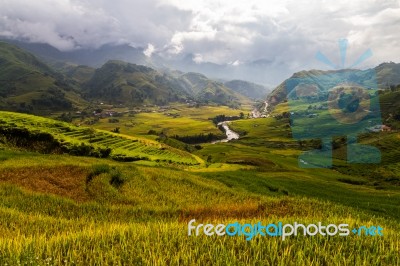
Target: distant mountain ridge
260,71
125,83
27,84
249,89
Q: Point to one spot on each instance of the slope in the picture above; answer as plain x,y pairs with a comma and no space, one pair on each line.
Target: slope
124,83
248,89
118,82
387,74
29,85
210,91
51,136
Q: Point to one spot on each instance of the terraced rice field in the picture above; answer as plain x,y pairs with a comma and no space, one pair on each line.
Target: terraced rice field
121,145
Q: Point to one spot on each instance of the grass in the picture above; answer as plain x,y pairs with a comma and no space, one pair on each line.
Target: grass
59,209
178,120
41,229
73,138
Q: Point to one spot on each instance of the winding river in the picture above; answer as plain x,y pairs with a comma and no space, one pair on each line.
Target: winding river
230,134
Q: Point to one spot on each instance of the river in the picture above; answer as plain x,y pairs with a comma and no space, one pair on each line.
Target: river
230,134
257,114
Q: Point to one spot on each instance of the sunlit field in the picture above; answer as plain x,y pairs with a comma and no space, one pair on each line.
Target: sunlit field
61,209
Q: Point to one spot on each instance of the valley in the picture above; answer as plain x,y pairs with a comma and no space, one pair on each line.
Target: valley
115,176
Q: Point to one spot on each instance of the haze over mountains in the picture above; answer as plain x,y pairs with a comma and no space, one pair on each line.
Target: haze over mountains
261,71
30,85
64,82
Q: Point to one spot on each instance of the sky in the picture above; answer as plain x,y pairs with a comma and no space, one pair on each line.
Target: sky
282,32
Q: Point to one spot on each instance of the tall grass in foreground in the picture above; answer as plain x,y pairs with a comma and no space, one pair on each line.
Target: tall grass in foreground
157,243
38,229
98,212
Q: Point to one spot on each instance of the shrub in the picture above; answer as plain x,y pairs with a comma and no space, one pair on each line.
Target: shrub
117,179
113,120
97,169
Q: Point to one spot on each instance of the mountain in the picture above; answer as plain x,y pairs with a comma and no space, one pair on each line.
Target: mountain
77,73
206,90
249,89
387,74
262,71
119,82
29,85
90,57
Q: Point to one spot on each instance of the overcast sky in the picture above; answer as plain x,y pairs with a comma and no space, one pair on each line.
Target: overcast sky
220,31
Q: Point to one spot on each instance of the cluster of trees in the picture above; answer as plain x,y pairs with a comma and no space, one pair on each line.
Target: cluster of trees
199,138
87,150
33,141
66,117
173,142
221,118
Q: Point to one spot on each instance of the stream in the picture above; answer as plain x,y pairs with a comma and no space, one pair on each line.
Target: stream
230,134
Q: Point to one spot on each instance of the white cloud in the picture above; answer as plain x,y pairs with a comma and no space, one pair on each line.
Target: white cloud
198,58
282,32
236,63
149,50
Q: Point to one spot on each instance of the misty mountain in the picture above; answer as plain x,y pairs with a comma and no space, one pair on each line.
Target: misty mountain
27,84
89,57
261,71
249,89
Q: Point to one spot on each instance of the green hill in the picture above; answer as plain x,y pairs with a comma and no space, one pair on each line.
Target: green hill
124,83
78,74
51,136
248,89
210,91
29,85
387,74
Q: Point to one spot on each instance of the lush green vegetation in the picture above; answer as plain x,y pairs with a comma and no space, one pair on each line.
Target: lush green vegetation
56,209
46,135
177,119
65,208
78,194
387,76
29,85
